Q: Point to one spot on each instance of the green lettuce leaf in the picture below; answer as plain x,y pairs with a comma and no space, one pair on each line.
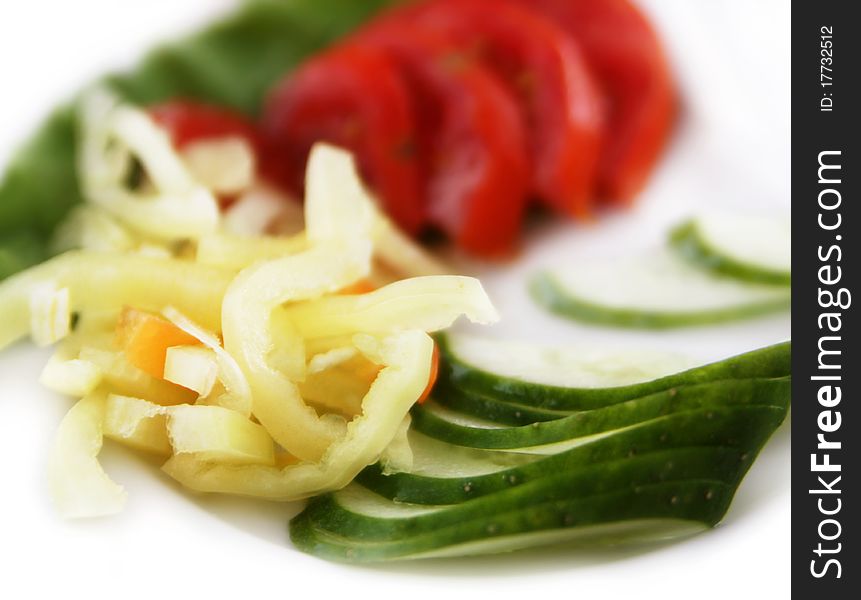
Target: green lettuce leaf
232,62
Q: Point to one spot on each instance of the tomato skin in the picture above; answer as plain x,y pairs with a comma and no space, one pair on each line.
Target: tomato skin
625,54
189,121
544,69
351,97
470,138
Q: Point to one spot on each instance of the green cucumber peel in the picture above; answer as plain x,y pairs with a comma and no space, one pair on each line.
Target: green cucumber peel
716,463
365,523
600,495
769,362
486,407
472,531
534,525
688,240
428,421
725,434
547,291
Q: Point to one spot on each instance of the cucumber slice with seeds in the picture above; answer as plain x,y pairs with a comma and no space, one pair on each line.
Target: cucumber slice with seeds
754,249
656,290
569,380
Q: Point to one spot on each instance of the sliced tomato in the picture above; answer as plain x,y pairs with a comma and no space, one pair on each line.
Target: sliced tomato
352,97
471,138
544,69
189,121
625,54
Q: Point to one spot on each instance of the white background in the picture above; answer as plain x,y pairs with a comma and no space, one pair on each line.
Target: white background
732,60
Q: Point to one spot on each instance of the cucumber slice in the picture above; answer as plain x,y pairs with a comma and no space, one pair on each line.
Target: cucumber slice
691,484
724,434
583,379
378,519
499,411
615,517
752,249
458,461
656,290
658,465
382,520
431,421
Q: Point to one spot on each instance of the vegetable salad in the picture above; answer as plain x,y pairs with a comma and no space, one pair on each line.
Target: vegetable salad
276,377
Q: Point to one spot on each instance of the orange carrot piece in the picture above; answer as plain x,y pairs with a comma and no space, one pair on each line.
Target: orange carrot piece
434,371
362,286
145,338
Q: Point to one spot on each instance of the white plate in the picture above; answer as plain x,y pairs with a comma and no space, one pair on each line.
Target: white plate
732,151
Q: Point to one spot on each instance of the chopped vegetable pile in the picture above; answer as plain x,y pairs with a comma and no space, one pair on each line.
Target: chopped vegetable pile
280,374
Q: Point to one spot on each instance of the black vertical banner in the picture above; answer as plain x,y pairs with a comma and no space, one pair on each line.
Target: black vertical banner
826,368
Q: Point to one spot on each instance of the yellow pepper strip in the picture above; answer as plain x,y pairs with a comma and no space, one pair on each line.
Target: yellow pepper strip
50,317
121,377
99,281
339,388
70,376
91,228
210,433
337,206
79,485
192,367
112,134
236,252
247,312
427,303
398,455
136,423
213,433
406,359
397,254
229,373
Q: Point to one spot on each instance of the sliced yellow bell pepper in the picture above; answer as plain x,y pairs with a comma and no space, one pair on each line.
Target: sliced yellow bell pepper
98,281
136,423
406,359
235,252
247,313
213,433
80,486
427,303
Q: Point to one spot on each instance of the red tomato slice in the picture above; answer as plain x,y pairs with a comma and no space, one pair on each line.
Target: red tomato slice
189,121
354,98
624,53
471,138
544,69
